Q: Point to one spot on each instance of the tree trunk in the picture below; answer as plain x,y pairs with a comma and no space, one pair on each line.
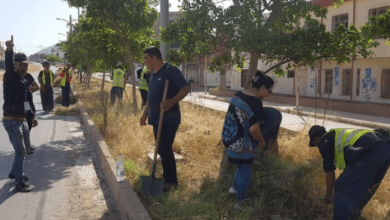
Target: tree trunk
103,80
222,79
253,61
88,75
132,73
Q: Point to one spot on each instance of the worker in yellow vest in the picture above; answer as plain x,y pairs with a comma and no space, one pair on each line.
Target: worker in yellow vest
143,75
45,79
66,78
364,157
118,82
384,132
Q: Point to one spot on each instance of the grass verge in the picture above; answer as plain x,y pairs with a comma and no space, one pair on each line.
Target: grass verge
290,184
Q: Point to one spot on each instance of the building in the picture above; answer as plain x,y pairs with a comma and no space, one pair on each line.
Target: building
362,86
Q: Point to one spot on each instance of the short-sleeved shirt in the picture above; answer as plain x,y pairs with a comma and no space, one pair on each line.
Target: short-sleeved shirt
351,153
156,90
243,112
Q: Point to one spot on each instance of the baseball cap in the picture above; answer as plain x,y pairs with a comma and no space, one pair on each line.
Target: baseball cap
315,131
45,63
21,57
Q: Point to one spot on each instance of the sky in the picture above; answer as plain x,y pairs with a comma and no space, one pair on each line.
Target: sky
33,23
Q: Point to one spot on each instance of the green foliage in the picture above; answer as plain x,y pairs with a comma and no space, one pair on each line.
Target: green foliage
53,59
271,30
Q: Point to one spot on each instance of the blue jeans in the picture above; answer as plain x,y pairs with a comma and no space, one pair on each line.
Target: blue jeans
241,180
116,91
270,129
65,95
359,182
168,133
19,137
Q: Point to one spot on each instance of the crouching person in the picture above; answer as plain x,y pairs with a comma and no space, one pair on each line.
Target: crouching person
242,133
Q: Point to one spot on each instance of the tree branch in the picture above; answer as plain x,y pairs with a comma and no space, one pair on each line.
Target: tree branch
277,65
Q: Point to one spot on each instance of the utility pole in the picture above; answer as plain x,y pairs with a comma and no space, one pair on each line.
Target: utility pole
164,22
70,24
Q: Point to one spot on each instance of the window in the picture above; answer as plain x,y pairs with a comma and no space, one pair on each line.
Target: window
290,74
244,76
328,81
339,19
346,84
385,90
358,83
57,54
377,11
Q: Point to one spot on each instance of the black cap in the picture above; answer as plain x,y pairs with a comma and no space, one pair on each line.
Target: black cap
45,63
315,131
21,57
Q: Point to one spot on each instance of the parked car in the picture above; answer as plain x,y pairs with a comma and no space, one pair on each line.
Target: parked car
2,64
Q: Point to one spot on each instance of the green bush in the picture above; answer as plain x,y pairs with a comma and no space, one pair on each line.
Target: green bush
53,59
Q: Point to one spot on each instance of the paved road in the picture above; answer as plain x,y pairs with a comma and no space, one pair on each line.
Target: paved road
64,175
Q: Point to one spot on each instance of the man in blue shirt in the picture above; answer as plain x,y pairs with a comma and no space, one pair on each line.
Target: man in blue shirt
177,90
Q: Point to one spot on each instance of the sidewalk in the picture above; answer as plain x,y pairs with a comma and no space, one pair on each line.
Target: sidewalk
291,120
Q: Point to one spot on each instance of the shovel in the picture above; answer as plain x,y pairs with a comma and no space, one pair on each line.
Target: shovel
152,186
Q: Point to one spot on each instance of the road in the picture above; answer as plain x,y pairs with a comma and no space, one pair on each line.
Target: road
64,173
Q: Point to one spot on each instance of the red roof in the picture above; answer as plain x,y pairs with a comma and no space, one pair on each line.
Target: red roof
325,3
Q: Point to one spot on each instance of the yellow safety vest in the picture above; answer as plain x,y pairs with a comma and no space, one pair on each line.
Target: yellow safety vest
143,84
345,137
63,80
44,77
117,80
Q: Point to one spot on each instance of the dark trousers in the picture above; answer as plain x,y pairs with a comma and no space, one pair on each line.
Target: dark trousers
47,99
168,133
359,182
270,129
65,95
116,92
144,96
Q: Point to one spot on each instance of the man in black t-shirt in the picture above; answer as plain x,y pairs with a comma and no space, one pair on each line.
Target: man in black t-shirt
364,155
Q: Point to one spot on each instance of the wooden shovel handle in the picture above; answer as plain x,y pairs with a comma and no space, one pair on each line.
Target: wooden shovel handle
160,121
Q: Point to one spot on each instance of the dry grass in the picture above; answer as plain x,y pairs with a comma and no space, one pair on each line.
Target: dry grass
291,184
33,68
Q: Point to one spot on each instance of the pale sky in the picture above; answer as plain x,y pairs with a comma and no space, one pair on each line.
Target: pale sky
33,22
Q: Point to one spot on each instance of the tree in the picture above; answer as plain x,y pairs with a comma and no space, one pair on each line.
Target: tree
268,30
53,59
132,21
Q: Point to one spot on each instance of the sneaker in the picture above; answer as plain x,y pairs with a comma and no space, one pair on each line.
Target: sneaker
32,148
22,187
12,176
169,187
232,190
241,206
30,152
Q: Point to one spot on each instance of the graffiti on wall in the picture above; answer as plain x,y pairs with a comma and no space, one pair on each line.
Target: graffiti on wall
312,83
368,85
336,76
275,78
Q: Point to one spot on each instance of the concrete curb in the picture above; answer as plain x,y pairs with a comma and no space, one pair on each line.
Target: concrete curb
320,116
126,199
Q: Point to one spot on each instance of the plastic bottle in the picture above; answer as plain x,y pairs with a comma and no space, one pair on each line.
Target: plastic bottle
120,171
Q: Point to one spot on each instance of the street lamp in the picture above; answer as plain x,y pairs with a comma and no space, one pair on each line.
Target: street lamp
68,22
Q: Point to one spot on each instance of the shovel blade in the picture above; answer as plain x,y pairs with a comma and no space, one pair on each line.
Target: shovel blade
149,190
